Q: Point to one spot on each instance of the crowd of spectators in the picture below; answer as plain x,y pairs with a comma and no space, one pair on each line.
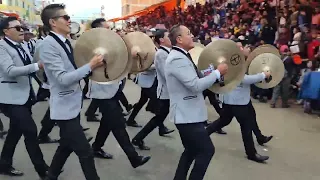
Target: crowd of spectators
293,26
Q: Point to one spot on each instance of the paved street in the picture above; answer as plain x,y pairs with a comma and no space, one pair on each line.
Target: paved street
293,152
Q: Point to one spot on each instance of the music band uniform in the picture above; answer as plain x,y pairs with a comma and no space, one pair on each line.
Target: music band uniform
15,78
43,93
93,107
148,83
112,120
163,102
188,111
65,104
237,103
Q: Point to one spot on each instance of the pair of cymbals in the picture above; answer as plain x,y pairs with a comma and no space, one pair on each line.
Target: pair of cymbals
266,48
132,53
266,58
224,51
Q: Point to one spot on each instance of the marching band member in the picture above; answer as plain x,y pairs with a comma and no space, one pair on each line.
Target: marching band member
15,76
65,102
162,110
237,103
91,111
43,93
187,106
148,82
107,98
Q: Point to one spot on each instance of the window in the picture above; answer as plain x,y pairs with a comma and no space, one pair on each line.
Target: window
17,2
23,4
10,2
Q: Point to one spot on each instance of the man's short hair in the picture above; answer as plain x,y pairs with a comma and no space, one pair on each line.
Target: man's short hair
174,32
97,22
49,12
5,23
159,34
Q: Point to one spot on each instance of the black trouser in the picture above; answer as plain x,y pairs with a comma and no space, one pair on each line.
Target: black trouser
212,99
1,126
93,107
21,123
146,94
113,121
161,114
42,94
255,128
86,86
73,139
198,147
47,125
244,116
123,99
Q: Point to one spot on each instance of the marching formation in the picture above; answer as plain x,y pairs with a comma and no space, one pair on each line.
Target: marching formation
175,74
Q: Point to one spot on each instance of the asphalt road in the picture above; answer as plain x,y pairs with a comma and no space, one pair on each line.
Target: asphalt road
293,151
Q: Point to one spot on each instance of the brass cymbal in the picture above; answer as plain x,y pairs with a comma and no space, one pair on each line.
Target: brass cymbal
195,54
267,62
266,48
73,43
224,51
141,49
197,44
108,43
75,27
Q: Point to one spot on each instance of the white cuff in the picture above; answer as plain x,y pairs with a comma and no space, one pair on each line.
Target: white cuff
217,72
36,66
264,75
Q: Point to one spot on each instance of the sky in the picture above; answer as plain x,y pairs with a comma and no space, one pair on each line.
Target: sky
83,9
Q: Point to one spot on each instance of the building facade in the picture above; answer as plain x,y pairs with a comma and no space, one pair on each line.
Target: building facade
24,8
131,6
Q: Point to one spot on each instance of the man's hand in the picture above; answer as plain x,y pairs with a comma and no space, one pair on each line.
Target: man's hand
222,68
40,65
267,74
96,61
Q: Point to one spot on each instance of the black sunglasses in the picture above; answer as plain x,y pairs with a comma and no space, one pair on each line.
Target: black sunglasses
18,28
65,17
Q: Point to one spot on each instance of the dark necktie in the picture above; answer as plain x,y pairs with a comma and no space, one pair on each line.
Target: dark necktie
71,53
69,44
27,62
24,54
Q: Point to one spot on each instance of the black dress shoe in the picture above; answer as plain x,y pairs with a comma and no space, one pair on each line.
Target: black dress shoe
264,140
11,172
102,154
47,140
140,144
141,160
220,131
164,131
93,119
258,158
133,124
